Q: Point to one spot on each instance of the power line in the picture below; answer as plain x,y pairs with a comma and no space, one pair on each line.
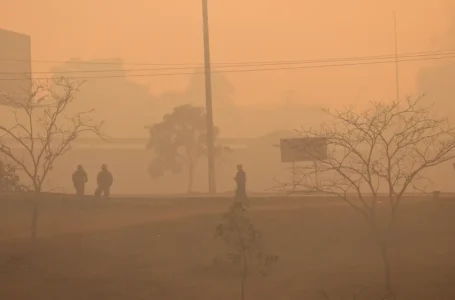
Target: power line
92,62
419,54
244,70
447,51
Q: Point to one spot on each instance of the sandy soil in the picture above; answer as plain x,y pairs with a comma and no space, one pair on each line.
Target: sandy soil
166,250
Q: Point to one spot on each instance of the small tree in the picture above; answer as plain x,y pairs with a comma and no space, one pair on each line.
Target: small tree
389,146
43,132
244,242
9,180
179,141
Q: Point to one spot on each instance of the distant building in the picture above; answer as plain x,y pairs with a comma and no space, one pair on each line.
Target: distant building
15,59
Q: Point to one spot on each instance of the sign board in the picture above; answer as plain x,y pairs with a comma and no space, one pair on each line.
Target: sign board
303,149
15,65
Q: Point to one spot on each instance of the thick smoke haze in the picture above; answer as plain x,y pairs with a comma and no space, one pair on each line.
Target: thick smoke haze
156,32
246,104
326,168
436,82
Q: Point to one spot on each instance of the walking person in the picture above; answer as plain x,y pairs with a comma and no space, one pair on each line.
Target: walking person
80,178
104,181
240,179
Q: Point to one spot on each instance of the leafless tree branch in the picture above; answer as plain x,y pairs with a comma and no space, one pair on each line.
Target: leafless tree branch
42,129
388,146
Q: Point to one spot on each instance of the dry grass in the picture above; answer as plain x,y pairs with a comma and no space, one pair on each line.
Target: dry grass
166,250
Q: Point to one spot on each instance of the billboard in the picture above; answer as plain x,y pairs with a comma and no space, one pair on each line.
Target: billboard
15,63
303,149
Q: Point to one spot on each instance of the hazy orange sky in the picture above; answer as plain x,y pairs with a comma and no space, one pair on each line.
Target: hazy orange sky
241,30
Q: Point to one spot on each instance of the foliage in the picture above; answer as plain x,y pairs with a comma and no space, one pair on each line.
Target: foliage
244,242
387,149
179,141
9,180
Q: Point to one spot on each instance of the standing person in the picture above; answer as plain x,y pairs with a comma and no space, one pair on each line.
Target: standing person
104,180
80,178
240,179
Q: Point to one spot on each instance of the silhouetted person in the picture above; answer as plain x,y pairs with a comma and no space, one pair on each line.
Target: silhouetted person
79,180
240,179
104,180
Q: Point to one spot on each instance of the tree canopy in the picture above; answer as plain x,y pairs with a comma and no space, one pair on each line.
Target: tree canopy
179,141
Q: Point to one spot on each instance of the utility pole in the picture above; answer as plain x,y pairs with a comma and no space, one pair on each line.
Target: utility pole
397,79
208,100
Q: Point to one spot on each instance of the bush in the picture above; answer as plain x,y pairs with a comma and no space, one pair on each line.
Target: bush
9,180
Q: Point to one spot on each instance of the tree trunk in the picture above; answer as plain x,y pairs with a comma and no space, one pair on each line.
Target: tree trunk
35,213
387,268
190,178
34,225
244,274
383,246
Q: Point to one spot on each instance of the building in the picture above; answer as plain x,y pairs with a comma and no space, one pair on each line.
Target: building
15,63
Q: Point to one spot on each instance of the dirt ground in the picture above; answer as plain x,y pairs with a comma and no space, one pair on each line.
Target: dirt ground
166,249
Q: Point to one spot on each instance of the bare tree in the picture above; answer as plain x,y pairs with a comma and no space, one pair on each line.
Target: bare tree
42,132
384,149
